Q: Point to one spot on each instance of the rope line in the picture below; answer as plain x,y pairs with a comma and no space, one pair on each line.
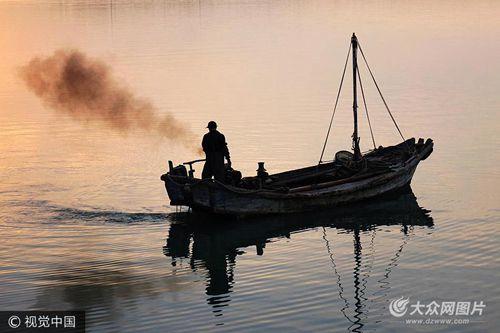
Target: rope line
335,107
380,93
366,108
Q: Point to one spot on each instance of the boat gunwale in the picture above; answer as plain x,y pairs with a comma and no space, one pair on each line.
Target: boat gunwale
349,187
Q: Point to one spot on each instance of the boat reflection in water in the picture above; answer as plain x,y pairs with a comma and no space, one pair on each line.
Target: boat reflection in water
214,244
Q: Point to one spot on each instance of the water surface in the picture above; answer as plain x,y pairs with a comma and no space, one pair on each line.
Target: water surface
85,222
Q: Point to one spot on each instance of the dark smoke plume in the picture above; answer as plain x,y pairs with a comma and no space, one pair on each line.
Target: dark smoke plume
85,89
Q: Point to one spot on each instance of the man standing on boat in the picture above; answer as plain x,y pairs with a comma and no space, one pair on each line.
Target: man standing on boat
215,148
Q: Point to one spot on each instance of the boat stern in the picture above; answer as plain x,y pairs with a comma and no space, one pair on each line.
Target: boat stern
177,190
177,185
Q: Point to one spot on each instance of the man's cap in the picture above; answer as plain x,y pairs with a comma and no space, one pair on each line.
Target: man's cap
212,124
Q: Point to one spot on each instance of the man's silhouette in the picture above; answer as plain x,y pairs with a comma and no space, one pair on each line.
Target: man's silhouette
215,148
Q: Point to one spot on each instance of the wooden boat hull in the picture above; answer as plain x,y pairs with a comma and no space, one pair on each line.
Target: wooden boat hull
215,197
222,199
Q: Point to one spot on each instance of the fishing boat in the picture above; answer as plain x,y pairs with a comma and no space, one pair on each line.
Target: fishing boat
350,177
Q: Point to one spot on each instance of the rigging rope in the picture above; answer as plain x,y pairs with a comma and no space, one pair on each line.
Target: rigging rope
380,93
366,108
335,107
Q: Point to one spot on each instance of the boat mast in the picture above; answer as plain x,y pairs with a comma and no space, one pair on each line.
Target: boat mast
355,138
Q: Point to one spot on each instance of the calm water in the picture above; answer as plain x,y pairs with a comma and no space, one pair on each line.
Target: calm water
84,218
